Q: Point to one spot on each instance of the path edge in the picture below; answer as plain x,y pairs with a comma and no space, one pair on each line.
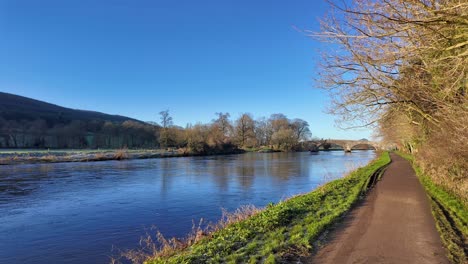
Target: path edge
449,212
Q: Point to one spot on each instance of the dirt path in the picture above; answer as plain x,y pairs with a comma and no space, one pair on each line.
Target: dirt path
392,225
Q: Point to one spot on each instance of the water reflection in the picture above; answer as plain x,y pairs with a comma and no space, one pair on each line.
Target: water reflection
54,213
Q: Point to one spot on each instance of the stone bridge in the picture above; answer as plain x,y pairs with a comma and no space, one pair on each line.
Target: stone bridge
347,145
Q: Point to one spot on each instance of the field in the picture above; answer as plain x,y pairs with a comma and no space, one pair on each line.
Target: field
15,156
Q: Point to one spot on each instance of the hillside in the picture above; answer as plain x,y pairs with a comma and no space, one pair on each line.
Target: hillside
29,123
15,107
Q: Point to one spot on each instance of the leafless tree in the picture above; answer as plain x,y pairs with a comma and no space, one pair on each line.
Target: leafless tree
278,122
245,127
223,123
402,66
166,123
166,119
263,131
301,129
373,41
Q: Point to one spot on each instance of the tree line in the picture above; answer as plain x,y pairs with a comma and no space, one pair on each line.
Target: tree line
221,135
77,134
401,67
276,132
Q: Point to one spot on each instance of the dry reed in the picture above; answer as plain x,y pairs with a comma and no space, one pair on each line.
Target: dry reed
160,246
121,154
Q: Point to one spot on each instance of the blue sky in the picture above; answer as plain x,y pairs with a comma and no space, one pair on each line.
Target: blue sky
195,58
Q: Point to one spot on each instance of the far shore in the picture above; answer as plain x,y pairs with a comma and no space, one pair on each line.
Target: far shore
33,156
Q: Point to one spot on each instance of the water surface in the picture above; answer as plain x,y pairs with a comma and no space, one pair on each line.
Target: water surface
80,212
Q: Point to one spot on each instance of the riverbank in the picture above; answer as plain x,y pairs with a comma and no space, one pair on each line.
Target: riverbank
33,156
11,157
280,232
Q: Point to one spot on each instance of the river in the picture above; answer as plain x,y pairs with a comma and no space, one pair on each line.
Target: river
86,212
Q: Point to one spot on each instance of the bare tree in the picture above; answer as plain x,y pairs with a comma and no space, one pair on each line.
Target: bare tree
166,119
402,66
223,123
166,123
373,41
278,122
245,127
301,129
263,131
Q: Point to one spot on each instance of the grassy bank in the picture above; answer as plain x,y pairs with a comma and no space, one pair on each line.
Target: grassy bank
55,156
279,232
450,213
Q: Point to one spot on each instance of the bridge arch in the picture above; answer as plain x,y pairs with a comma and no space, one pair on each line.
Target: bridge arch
372,146
346,145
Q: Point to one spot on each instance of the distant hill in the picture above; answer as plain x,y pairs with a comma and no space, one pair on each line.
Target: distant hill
15,107
29,123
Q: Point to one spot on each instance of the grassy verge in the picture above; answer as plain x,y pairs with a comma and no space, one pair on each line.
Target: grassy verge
280,231
450,214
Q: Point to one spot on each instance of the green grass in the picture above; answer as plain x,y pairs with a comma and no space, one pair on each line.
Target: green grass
287,228
450,214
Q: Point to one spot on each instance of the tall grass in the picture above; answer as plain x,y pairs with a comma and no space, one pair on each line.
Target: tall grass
121,154
444,158
158,246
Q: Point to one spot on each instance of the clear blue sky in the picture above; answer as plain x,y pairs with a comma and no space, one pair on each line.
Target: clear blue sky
195,58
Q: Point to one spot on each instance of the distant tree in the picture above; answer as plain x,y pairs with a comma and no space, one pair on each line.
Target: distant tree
223,123
245,130
13,130
278,122
109,131
301,129
38,130
263,131
284,139
177,136
196,137
166,123
215,135
166,119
